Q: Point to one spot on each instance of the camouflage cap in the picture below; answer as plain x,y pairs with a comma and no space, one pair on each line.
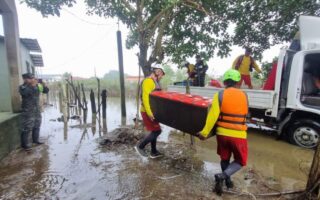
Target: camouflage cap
27,76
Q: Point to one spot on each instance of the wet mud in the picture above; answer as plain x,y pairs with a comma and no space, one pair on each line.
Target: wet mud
86,162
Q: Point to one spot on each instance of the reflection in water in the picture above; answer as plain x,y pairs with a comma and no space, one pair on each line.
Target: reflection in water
74,166
65,131
123,121
94,124
104,126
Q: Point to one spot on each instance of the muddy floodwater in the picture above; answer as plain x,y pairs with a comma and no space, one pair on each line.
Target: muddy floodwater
73,165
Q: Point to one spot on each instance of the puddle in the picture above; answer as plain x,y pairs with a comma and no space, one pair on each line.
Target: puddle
73,165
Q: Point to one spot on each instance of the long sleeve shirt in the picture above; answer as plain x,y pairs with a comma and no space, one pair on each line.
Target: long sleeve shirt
30,97
244,67
147,87
212,118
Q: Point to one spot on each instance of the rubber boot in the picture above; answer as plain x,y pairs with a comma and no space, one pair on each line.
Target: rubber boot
35,136
219,178
24,140
224,165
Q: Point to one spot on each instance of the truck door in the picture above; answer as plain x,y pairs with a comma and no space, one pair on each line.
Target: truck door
310,87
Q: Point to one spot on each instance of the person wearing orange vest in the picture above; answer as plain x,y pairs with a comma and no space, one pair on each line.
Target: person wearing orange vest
149,84
228,114
245,64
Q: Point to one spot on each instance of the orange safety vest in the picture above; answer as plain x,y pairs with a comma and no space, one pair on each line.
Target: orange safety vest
233,109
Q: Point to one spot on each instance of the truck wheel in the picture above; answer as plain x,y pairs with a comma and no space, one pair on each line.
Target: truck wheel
305,133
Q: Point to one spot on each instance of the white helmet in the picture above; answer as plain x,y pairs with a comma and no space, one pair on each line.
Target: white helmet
158,66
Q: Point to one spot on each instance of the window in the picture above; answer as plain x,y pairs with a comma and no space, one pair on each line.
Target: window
311,80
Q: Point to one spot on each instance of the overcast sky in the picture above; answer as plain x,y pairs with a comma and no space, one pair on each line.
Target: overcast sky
78,43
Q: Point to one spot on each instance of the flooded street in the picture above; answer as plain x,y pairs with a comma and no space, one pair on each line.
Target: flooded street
73,165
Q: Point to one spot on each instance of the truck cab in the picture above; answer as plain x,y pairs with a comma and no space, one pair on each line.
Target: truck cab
299,100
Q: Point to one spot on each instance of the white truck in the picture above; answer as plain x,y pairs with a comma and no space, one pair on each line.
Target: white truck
293,107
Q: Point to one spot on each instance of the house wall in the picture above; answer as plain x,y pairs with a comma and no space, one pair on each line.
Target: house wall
5,93
9,132
25,57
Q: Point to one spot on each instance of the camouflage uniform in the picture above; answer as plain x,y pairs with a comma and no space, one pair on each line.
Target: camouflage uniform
31,113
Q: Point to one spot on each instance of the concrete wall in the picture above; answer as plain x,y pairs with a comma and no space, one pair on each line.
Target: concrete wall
9,133
5,93
5,97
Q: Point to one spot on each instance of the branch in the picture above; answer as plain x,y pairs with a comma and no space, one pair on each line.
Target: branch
139,16
142,5
160,15
153,30
196,6
128,6
75,93
157,51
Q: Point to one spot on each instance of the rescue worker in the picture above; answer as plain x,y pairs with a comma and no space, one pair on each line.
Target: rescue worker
31,115
245,64
201,68
228,115
149,84
190,70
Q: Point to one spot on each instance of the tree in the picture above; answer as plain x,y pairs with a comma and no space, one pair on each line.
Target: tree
113,75
176,29
169,77
66,75
181,75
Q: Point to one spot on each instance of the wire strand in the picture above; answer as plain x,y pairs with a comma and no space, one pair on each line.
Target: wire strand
85,21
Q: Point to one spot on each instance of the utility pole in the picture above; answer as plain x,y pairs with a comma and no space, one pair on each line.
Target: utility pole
122,88
313,185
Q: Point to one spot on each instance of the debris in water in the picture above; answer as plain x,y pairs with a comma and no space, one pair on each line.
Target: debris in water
123,135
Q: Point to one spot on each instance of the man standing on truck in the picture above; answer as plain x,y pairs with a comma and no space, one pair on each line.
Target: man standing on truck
245,64
149,84
190,71
31,115
229,118
201,68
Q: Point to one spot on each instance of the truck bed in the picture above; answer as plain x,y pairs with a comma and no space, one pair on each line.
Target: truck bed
259,99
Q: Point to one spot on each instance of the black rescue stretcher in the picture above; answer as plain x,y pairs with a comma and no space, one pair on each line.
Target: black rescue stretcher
184,112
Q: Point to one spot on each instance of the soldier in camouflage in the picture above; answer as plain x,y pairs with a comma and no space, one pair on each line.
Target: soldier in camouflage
31,114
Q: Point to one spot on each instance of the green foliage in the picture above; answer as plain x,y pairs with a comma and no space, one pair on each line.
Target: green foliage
176,29
111,85
180,75
169,78
66,75
113,75
266,69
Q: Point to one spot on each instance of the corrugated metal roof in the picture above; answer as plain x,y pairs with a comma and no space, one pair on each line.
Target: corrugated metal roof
37,60
31,44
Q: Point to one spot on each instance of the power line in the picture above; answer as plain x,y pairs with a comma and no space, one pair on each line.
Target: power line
86,21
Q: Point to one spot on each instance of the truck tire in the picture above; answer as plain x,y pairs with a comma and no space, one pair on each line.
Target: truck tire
305,133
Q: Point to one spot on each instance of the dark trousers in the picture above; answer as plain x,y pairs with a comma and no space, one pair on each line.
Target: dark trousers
31,122
151,138
199,81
